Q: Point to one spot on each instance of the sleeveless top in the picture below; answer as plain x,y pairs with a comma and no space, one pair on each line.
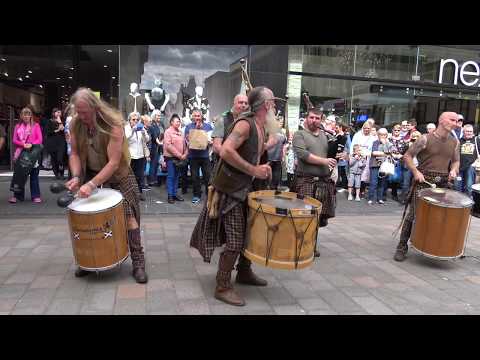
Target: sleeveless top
92,151
230,180
437,155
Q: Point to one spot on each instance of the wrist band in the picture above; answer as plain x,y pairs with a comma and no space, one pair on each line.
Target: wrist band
76,177
92,184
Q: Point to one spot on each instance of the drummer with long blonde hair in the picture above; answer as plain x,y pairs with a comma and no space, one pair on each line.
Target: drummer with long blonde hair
100,156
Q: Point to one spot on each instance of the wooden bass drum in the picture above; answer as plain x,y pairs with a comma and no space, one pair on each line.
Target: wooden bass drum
98,230
441,223
281,229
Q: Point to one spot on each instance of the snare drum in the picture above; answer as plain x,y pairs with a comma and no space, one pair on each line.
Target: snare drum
281,229
476,200
441,223
98,230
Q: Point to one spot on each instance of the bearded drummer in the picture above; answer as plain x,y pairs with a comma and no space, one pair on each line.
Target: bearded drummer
438,159
223,217
100,156
313,174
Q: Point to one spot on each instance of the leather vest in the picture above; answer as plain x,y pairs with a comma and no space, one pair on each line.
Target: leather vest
228,179
100,141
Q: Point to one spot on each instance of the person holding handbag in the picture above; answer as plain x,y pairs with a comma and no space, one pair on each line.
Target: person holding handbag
468,161
175,154
380,149
138,138
26,134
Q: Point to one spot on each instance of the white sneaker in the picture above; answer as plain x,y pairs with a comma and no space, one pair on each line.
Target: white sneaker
341,190
350,197
370,202
358,199
381,202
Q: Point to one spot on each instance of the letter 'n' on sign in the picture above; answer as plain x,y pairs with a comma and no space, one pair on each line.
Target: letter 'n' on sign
442,65
464,71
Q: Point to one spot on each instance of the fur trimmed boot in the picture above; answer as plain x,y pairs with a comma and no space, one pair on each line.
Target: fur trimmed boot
402,247
224,290
245,275
137,255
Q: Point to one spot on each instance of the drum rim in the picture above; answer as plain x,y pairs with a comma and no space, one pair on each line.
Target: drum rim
270,209
118,263
476,188
420,197
443,258
98,211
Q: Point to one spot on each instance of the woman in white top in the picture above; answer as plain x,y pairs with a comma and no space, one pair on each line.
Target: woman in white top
138,138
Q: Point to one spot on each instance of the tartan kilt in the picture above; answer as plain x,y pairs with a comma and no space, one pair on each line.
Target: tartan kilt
322,189
129,189
228,228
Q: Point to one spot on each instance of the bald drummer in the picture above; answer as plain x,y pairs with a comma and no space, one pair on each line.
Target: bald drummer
434,151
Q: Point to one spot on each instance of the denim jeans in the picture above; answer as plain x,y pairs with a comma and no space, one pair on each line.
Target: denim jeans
34,185
377,184
406,180
467,179
172,178
154,159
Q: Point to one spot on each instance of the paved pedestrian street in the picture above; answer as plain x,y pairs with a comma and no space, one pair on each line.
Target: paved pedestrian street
354,275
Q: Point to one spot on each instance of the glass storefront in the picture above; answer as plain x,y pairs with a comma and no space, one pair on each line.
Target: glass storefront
389,83
44,77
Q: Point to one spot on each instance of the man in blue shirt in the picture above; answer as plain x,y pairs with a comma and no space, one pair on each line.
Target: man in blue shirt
198,155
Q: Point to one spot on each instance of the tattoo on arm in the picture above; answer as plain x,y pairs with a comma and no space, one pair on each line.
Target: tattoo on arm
417,146
236,137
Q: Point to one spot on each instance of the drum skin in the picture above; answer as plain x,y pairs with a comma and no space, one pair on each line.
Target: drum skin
281,241
439,231
99,239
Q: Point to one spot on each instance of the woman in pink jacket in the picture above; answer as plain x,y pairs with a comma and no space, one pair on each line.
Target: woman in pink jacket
27,133
174,148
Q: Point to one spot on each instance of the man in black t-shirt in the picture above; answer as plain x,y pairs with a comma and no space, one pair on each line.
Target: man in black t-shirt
468,154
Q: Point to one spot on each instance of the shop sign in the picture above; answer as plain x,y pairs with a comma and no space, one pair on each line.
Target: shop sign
465,70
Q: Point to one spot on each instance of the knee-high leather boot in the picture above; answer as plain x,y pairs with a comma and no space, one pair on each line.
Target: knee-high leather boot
224,290
402,247
137,255
245,275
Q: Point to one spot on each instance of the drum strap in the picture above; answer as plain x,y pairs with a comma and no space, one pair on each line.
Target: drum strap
273,228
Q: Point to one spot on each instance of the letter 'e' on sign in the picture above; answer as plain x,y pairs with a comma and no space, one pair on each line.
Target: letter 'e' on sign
469,73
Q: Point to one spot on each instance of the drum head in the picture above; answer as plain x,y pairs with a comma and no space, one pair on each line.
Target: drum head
283,202
445,198
476,187
101,200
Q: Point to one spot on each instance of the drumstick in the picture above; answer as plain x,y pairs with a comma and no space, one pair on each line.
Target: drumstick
432,185
65,200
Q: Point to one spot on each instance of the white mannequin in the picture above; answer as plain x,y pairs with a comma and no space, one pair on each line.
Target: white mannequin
160,91
138,104
197,101
134,89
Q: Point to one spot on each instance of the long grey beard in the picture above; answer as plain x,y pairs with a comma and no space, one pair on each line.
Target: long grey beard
271,124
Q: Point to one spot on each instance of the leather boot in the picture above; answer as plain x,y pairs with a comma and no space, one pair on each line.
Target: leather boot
245,274
137,255
402,247
224,290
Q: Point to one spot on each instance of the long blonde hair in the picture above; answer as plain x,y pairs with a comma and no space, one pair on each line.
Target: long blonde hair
106,116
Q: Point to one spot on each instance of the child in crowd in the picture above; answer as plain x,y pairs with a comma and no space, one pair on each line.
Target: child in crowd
357,163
